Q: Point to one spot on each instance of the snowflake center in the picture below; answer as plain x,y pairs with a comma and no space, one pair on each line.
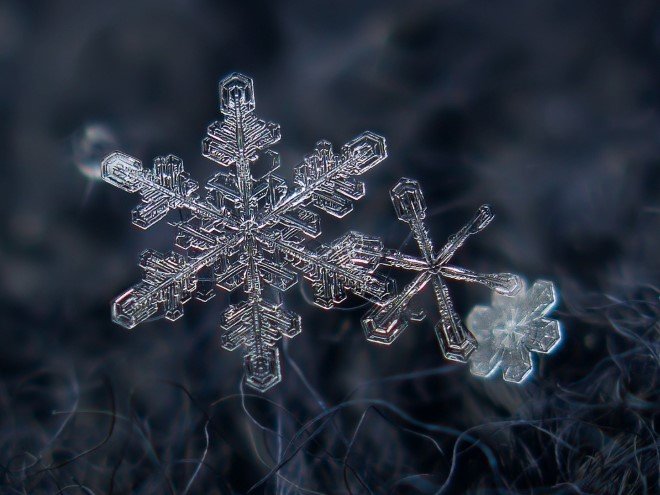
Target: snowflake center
511,334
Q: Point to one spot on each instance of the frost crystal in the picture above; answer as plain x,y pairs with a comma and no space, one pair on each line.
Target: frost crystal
385,322
249,231
511,328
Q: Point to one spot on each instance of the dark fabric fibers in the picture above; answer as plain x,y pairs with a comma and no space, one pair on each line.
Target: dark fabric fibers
547,110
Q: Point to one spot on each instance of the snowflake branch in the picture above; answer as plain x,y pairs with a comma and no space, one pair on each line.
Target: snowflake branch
348,263
325,179
163,188
169,283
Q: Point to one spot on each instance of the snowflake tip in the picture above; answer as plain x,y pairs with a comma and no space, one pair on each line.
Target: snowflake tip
482,219
236,90
408,200
263,372
364,152
120,170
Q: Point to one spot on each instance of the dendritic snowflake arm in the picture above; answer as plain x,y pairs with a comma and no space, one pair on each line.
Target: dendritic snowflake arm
257,325
240,136
347,264
167,285
170,281
327,180
386,321
163,188
511,329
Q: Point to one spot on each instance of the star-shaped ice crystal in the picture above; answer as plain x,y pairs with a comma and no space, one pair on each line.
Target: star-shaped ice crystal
511,329
249,229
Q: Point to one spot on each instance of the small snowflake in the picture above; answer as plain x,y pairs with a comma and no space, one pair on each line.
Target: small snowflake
385,322
511,329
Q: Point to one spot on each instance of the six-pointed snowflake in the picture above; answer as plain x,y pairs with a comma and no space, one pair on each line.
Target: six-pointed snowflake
511,329
251,231
387,320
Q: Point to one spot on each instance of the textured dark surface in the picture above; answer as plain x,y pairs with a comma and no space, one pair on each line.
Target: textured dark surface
546,110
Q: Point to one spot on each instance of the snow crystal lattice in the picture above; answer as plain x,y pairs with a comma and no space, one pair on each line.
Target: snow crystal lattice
249,231
386,321
511,329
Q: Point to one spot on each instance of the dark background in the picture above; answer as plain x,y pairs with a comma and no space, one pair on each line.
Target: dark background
548,110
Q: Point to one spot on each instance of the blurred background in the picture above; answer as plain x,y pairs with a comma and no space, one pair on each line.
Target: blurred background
547,110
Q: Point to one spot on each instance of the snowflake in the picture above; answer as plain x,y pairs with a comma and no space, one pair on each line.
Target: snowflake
385,322
511,329
250,231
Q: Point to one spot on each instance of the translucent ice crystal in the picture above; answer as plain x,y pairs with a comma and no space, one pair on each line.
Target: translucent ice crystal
250,232
511,329
385,322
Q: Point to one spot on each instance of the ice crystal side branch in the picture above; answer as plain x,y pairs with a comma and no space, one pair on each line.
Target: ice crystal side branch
250,232
385,322
511,329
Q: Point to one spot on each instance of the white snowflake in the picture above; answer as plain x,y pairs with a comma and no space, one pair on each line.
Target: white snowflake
385,322
511,329
249,231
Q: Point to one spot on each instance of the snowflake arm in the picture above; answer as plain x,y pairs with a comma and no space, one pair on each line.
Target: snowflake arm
511,329
163,188
257,325
348,263
240,136
326,180
169,282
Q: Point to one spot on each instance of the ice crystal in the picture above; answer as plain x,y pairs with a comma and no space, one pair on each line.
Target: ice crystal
511,329
385,322
249,231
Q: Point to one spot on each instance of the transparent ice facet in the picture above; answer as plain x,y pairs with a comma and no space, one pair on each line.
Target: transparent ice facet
389,318
249,232
511,329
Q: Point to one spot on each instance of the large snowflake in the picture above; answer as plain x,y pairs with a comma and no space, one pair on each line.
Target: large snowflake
249,231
